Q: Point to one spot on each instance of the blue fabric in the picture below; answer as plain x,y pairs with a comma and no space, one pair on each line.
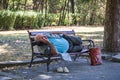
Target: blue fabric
61,44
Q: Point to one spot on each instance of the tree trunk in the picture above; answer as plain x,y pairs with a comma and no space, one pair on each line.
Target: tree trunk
1,6
72,6
93,12
5,4
35,7
43,3
112,26
62,13
25,4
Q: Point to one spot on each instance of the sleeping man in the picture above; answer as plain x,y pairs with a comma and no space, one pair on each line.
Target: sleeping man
60,44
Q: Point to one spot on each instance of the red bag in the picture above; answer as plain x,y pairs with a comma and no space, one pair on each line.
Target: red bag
95,55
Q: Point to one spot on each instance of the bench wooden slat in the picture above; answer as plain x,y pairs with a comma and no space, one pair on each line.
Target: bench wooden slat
33,33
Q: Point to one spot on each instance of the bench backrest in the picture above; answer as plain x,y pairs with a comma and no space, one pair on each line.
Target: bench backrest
32,34
69,32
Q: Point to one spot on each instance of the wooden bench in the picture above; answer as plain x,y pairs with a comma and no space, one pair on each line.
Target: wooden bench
48,58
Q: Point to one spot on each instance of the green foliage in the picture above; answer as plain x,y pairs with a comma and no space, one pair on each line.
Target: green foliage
30,20
85,1
19,20
33,20
41,20
91,12
76,19
26,20
52,13
51,19
47,19
7,20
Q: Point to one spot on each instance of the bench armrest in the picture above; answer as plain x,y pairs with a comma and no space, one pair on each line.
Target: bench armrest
90,43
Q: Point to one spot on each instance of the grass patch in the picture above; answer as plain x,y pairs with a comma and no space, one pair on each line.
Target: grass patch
14,47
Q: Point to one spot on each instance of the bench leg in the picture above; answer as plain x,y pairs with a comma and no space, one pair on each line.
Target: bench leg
48,63
31,62
75,57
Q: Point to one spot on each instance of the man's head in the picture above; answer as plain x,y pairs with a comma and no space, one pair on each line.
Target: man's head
40,37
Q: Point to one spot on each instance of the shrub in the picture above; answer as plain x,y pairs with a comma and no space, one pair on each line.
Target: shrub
7,20
41,20
26,20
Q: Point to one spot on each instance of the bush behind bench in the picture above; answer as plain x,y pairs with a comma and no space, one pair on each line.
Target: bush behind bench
10,20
